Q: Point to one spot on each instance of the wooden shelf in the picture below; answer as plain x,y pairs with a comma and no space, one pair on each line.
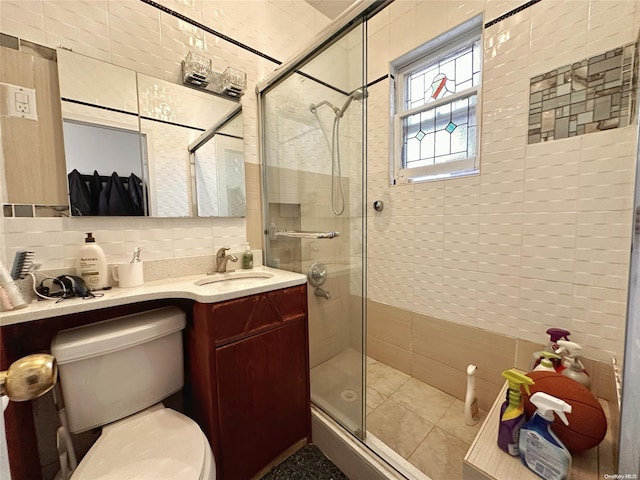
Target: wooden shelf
484,460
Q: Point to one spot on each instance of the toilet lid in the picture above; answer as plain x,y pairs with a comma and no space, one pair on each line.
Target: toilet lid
160,445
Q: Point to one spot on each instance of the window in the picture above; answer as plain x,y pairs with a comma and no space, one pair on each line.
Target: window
435,122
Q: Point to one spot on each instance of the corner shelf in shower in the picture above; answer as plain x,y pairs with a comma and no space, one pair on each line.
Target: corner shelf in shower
485,461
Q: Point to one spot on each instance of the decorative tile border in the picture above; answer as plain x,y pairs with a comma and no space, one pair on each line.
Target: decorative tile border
15,210
588,96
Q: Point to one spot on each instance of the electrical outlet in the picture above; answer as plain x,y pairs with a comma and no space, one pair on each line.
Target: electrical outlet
20,101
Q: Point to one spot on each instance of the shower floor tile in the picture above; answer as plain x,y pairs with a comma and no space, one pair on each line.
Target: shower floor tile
440,455
419,422
398,427
422,399
384,379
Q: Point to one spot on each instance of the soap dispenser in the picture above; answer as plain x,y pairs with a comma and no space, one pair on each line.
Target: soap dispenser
555,334
575,369
546,362
247,257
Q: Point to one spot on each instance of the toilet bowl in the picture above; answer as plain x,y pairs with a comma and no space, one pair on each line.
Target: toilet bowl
155,444
114,374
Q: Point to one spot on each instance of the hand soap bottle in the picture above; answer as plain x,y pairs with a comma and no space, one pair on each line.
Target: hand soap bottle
575,369
540,449
512,411
247,257
92,264
555,334
546,362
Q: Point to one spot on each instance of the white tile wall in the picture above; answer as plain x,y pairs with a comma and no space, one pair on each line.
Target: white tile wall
82,26
23,19
601,38
101,83
129,49
541,237
567,23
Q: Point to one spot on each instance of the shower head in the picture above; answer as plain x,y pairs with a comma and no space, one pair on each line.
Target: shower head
357,94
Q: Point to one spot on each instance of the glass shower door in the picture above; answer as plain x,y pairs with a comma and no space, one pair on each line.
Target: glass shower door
313,196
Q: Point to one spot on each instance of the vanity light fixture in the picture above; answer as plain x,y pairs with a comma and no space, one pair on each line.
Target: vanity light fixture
29,377
197,71
234,82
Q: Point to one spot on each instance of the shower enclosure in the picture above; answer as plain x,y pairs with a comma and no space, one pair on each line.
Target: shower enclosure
312,124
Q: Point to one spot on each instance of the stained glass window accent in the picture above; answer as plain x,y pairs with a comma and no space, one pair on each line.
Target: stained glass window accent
441,134
437,92
440,123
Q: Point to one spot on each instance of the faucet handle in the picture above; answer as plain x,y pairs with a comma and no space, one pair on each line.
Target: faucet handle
221,252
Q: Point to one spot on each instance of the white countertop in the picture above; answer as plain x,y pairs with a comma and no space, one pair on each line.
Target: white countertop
181,287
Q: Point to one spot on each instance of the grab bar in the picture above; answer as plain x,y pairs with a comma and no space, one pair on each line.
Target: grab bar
292,234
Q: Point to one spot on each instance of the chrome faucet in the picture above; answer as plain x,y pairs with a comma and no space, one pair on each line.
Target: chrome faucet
222,258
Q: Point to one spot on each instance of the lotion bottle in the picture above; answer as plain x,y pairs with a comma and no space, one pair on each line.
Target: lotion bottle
540,449
92,264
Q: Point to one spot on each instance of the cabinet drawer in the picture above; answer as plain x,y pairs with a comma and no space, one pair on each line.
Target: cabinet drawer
247,316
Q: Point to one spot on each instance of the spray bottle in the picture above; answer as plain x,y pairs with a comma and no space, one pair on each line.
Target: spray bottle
470,400
546,362
575,369
555,334
540,449
512,411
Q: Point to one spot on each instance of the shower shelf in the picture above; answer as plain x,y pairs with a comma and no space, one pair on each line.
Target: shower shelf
292,234
485,461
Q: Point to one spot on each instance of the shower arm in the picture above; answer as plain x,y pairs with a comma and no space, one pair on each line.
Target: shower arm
314,107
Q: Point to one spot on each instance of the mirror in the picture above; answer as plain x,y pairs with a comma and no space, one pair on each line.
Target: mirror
217,163
127,143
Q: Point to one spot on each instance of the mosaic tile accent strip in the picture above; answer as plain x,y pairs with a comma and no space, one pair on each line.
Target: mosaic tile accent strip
592,95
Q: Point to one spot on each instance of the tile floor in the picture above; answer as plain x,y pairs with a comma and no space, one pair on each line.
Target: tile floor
419,422
422,424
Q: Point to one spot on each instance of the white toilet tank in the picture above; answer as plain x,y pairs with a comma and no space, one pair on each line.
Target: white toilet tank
111,369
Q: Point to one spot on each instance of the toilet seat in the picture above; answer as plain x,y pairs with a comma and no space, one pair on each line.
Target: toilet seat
162,444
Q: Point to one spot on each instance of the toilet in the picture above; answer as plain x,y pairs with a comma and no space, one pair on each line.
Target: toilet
114,374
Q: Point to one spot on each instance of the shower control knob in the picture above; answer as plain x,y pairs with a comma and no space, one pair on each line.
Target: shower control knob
378,205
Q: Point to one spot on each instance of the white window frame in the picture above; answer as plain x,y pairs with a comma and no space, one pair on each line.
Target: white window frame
401,68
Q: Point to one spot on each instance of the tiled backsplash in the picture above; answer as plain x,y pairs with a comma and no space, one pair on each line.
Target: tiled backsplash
588,96
55,241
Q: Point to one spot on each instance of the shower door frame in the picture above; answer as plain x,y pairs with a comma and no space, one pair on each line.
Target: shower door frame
356,16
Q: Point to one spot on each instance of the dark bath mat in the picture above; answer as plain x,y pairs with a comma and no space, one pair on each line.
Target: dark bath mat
308,463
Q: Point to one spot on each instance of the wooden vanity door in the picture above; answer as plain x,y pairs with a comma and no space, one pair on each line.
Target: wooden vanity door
263,400
249,378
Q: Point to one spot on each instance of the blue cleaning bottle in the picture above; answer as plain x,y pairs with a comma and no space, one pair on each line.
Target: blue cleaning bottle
540,449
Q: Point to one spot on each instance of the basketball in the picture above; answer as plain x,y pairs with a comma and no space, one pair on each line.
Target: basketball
587,422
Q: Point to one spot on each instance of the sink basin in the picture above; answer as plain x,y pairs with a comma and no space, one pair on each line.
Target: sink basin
234,277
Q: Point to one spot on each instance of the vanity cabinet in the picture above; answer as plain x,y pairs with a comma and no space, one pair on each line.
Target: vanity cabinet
249,378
